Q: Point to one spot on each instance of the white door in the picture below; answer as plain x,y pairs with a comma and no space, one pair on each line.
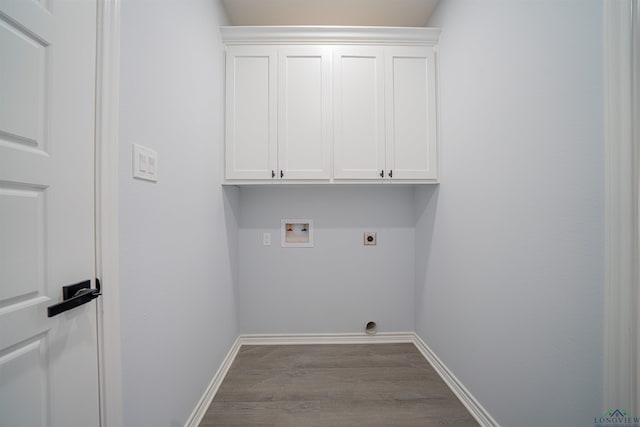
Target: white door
251,102
304,116
411,113
48,365
358,103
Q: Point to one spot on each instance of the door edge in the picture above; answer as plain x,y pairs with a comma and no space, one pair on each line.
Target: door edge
106,211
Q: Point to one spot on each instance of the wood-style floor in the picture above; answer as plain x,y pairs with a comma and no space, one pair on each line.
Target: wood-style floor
334,386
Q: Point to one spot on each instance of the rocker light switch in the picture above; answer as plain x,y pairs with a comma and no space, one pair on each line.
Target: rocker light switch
145,163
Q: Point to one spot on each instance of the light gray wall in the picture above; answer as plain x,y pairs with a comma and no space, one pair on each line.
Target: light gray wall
178,237
339,284
510,247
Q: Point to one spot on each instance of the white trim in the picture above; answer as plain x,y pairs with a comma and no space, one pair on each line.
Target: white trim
210,392
329,182
620,376
106,170
329,35
466,398
635,25
298,339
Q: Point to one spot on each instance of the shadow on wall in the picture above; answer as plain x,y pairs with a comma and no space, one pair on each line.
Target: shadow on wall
231,206
335,207
425,204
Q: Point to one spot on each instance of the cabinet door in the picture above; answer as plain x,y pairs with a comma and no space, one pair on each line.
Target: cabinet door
250,147
304,119
411,113
358,102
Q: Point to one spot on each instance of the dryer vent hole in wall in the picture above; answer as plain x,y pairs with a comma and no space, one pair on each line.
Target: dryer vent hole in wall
370,327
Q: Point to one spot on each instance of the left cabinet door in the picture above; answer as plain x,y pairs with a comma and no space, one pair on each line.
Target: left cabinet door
251,112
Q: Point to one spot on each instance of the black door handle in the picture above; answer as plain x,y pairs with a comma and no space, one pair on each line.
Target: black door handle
74,296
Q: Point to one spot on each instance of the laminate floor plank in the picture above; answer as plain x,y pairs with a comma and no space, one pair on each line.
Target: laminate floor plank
334,386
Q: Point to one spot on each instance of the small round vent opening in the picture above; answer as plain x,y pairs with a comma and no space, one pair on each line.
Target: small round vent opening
370,328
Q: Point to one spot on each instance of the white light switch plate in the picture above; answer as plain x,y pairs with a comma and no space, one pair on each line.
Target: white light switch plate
266,239
145,163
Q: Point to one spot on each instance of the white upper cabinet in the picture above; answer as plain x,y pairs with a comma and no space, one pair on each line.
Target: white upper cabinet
278,113
410,113
251,122
330,105
384,113
304,121
358,111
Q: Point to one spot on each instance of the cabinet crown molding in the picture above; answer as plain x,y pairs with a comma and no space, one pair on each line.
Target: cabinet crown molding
255,35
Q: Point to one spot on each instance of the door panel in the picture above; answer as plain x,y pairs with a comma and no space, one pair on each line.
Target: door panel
25,69
304,112
26,384
251,150
411,131
22,233
48,366
359,146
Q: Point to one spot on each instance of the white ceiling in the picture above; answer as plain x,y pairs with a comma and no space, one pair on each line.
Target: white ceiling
392,13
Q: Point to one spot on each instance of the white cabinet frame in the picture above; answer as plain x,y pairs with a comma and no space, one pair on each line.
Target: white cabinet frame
326,132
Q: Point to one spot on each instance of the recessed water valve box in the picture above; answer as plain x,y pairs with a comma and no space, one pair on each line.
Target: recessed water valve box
296,233
370,238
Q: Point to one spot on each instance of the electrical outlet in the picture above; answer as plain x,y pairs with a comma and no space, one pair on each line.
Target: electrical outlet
266,239
370,238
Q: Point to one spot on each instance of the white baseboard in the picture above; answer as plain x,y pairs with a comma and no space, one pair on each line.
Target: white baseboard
354,338
466,398
201,408
473,406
